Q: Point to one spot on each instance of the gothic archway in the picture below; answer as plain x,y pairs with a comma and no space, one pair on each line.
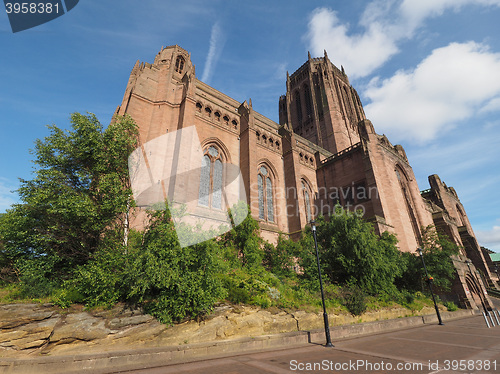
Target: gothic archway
404,184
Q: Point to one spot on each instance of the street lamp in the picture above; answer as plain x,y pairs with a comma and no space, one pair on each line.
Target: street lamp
429,282
325,315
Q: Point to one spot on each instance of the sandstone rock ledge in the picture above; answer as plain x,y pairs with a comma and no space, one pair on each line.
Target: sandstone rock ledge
41,329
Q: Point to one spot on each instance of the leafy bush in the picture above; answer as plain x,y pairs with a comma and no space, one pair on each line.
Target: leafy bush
37,276
245,287
451,306
281,259
65,297
262,301
355,300
100,282
245,240
173,282
405,298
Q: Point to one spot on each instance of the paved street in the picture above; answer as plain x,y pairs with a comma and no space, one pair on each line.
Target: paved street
460,346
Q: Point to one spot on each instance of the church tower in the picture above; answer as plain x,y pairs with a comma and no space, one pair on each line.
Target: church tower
321,105
160,95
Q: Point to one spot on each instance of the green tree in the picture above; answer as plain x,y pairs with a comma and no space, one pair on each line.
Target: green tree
79,195
437,251
281,259
7,258
352,254
102,281
245,239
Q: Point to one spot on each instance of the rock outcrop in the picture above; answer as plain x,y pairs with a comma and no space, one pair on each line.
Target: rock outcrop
38,329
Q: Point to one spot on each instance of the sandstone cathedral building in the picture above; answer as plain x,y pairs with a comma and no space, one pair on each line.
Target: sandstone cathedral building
323,152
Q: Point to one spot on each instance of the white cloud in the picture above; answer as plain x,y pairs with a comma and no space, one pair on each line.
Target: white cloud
384,24
360,53
416,11
490,237
448,86
217,41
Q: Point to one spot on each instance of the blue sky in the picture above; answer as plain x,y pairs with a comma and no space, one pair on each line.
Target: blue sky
427,71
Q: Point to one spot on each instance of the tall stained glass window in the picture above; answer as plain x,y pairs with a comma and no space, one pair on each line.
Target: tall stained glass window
298,107
269,200
307,201
265,189
210,192
309,107
260,185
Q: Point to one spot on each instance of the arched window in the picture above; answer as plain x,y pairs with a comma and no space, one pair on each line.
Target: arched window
265,187
306,193
318,93
298,106
210,194
461,216
179,64
347,102
405,190
309,108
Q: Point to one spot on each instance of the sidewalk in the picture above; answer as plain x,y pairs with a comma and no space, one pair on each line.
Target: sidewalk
460,346
153,357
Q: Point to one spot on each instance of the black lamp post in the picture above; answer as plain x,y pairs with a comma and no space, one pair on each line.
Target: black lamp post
429,282
325,315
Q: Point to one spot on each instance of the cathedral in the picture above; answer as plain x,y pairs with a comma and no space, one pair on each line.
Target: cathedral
323,152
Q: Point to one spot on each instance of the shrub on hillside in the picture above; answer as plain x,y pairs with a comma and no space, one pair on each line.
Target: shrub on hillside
351,253
354,300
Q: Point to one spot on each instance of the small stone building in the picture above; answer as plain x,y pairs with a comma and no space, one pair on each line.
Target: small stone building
323,152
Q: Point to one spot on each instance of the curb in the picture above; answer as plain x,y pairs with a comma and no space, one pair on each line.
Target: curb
113,362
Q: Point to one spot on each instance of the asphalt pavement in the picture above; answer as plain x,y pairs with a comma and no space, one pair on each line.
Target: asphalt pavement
459,346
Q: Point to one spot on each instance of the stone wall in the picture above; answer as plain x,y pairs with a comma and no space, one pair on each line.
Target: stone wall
41,329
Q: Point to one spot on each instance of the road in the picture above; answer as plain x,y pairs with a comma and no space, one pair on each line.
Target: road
460,346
